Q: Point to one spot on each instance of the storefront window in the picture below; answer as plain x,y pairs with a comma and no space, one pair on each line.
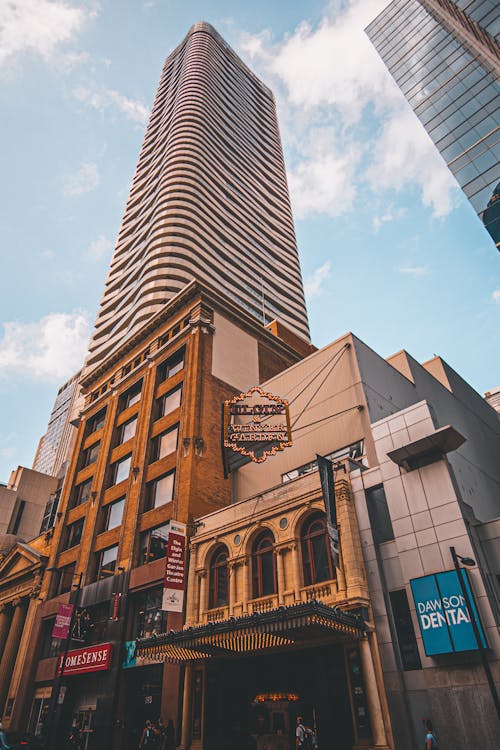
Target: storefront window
38,716
150,619
263,566
50,646
218,579
316,556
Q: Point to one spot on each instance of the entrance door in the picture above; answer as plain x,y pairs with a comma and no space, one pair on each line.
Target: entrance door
246,708
85,719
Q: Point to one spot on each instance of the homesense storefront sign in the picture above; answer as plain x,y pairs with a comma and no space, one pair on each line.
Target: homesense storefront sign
443,616
257,424
88,659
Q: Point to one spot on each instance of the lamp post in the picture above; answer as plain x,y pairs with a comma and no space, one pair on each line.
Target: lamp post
56,687
469,563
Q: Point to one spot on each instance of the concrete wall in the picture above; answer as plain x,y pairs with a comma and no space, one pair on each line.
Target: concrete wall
427,519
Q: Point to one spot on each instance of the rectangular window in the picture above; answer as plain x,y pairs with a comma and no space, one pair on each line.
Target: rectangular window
96,422
127,430
131,397
49,515
172,366
82,492
150,619
170,401
121,469
161,491
90,455
165,443
154,544
50,646
17,520
114,514
75,531
65,579
380,519
407,642
106,562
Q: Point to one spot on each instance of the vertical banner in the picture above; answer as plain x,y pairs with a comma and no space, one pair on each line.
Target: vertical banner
325,469
175,568
63,621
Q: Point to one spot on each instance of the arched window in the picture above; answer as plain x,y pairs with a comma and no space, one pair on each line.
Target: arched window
218,594
316,555
263,566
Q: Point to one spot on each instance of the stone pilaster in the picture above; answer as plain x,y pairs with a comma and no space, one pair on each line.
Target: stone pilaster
372,695
11,648
5,618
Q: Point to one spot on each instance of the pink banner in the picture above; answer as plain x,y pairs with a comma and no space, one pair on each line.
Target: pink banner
63,621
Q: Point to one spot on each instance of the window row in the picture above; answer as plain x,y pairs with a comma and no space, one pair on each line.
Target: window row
158,492
317,563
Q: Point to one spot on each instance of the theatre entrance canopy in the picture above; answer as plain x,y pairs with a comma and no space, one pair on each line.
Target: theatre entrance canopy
281,628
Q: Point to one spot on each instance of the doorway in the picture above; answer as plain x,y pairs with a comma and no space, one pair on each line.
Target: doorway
253,703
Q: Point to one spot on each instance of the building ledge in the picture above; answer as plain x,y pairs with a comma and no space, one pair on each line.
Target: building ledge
428,449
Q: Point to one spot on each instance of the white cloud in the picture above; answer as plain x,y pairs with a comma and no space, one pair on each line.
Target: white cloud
83,181
99,249
416,271
313,285
102,99
496,296
330,77
47,254
322,181
37,26
52,348
391,214
404,154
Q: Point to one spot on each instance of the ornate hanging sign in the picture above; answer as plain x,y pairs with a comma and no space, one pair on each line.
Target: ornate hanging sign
257,424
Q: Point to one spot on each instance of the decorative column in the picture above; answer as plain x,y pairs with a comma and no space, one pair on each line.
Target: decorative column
203,594
296,570
232,568
11,648
246,586
5,615
281,576
186,708
372,695
191,613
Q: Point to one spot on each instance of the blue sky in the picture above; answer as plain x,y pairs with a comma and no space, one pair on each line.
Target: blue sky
390,249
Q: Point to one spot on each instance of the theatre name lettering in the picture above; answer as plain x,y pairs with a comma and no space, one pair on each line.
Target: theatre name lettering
257,424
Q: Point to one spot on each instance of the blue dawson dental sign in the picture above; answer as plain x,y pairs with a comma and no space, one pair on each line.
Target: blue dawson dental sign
443,615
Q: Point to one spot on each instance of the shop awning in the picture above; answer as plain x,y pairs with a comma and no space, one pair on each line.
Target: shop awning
261,631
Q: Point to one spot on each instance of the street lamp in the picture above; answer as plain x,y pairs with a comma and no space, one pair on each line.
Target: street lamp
470,563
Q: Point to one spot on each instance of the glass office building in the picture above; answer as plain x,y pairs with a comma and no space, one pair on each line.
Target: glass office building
445,58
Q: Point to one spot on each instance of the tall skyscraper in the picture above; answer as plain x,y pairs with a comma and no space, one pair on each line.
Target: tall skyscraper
209,200
445,57
54,448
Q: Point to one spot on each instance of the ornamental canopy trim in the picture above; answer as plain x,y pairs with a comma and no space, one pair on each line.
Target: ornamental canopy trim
261,631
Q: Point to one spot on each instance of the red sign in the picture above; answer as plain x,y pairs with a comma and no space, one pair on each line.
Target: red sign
89,659
175,568
63,621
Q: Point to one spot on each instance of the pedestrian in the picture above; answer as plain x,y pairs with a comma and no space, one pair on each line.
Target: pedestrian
4,745
149,736
75,737
161,732
303,736
430,739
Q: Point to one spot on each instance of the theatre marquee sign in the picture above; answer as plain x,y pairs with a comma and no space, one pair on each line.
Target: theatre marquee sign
257,424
